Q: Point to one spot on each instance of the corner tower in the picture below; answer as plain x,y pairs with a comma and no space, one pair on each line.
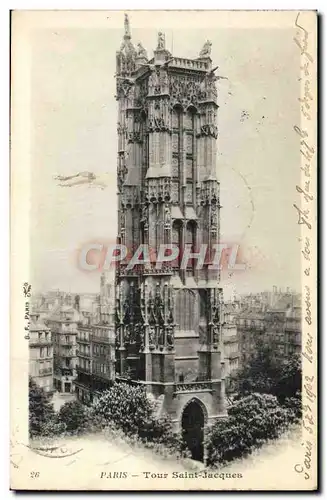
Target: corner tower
169,317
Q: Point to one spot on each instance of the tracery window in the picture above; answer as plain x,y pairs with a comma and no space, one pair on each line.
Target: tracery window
176,239
189,160
176,153
190,241
185,310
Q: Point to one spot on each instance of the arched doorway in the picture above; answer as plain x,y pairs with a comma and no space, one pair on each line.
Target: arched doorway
193,421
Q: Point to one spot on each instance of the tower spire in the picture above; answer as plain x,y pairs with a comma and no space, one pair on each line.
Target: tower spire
127,34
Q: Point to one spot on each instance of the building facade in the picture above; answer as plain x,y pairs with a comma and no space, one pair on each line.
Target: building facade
274,318
84,381
62,322
169,316
96,345
231,346
40,353
103,338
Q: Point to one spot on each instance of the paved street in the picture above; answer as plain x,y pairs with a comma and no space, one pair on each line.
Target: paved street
60,399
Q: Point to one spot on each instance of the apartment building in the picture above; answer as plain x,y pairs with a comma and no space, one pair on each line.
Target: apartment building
96,345
276,322
40,353
231,347
84,382
62,322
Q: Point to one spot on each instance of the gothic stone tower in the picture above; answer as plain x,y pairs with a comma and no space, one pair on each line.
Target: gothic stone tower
168,330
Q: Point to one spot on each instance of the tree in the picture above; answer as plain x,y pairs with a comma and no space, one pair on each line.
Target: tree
129,409
268,372
74,416
251,422
126,406
40,408
288,384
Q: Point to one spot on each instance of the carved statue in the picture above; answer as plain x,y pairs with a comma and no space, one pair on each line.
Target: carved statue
167,217
165,80
154,82
206,49
127,334
170,337
152,332
141,52
141,338
215,335
144,213
161,41
161,336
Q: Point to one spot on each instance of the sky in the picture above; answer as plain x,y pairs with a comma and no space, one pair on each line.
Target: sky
73,128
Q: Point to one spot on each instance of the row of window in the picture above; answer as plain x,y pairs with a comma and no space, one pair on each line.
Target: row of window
281,337
84,363
99,349
84,349
45,352
67,339
44,336
97,367
83,336
100,368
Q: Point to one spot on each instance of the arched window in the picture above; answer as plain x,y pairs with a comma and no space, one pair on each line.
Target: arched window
176,239
176,153
145,145
189,127
185,310
190,241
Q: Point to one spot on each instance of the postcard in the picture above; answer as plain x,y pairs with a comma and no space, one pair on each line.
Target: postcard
163,250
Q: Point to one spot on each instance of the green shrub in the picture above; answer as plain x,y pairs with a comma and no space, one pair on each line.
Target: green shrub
53,427
251,422
124,405
128,408
74,416
294,406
